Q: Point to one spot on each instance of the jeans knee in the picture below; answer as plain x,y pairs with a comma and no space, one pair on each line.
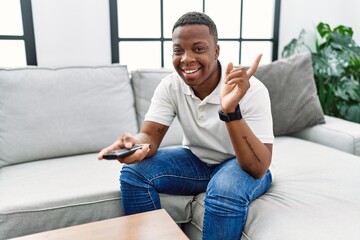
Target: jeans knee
225,189
130,177
221,199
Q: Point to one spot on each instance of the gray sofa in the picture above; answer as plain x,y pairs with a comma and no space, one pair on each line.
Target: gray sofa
53,121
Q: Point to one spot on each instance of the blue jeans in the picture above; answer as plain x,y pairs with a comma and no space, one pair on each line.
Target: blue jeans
177,171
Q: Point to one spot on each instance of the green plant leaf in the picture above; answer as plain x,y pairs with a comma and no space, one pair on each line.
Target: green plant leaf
327,62
353,68
343,30
347,89
323,29
350,112
295,46
353,113
343,43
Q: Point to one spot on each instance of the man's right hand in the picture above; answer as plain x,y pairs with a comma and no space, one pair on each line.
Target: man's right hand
126,141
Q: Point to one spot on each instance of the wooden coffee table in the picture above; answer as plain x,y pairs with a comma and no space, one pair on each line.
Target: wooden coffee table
154,225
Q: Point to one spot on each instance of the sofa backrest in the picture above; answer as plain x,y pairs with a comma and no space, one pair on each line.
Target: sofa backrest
53,112
144,82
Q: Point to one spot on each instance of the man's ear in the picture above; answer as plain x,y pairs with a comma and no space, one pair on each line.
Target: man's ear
217,51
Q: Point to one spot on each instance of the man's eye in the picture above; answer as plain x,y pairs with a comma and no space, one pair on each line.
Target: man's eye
177,51
199,49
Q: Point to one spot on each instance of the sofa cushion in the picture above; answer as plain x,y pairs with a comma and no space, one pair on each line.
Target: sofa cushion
294,101
336,133
66,191
314,195
144,83
53,112
57,193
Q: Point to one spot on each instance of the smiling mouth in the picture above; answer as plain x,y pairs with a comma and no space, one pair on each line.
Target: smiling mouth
190,71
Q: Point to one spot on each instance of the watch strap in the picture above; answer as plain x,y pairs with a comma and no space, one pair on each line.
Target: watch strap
228,117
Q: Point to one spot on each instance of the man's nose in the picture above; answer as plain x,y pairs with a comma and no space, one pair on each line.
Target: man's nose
187,58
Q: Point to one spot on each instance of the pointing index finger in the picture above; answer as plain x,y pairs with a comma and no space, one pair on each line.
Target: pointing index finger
254,66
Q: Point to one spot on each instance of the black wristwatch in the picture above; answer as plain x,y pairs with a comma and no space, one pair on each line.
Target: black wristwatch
230,116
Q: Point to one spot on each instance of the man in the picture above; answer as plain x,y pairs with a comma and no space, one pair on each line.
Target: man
226,118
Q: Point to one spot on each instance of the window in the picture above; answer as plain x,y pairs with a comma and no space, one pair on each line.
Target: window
141,30
17,44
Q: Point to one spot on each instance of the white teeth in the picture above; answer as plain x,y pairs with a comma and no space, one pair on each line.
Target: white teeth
190,71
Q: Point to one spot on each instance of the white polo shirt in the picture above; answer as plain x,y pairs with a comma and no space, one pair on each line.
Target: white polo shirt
204,133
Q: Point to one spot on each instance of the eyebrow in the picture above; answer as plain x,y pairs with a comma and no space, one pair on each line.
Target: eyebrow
199,42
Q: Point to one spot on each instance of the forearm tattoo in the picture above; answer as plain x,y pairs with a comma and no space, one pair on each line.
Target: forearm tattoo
251,148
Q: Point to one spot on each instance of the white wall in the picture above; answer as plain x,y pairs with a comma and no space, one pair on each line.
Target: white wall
306,14
350,17
82,36
72,32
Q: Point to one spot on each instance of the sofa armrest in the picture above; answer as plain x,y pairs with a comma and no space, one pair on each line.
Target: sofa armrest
336,133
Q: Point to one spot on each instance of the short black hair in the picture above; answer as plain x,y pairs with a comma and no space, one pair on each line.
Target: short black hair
197,18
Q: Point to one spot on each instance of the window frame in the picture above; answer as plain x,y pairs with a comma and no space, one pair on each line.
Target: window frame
115,39
28,32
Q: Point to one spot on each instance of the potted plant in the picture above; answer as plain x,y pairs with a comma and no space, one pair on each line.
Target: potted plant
336,65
